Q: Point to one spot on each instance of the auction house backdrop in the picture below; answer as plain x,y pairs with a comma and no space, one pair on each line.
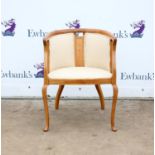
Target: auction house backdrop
25,23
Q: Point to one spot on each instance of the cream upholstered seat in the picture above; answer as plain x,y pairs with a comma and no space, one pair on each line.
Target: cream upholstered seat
79,56
79,73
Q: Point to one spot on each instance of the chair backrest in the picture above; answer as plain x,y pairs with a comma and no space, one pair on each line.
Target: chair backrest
79,47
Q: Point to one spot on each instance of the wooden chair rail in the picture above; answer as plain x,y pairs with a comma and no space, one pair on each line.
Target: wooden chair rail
82,30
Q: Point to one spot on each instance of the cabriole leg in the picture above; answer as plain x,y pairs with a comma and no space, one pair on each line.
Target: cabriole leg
115,95
45,101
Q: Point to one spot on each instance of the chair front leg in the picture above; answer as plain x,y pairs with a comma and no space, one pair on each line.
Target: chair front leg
99,90
60,89
115,95
45,101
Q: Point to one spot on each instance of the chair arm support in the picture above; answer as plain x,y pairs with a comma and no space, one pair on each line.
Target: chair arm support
114,42
46,60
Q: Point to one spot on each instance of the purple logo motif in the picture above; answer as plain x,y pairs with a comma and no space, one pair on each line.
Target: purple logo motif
139,26
40,70
74,24
10,26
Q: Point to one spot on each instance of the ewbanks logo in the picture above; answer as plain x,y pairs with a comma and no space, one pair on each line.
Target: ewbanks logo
138,31
136,76
24,74
74,24
41,33
20,75
9,27
40,70
139,28
33,33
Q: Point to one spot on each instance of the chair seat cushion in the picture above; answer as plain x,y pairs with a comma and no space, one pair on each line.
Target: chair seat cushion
79,73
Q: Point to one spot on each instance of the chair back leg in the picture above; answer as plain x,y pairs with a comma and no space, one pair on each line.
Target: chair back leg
99,90
60,89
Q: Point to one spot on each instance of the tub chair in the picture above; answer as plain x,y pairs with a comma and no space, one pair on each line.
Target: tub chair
79,56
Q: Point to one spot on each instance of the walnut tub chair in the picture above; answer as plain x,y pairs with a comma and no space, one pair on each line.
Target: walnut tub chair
79,56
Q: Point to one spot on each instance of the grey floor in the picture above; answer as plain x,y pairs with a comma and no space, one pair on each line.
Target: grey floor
79,127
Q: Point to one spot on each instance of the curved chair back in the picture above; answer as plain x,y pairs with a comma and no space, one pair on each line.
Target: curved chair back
80,47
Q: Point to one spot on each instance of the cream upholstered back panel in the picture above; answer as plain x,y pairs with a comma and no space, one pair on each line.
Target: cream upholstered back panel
61,51
97,51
